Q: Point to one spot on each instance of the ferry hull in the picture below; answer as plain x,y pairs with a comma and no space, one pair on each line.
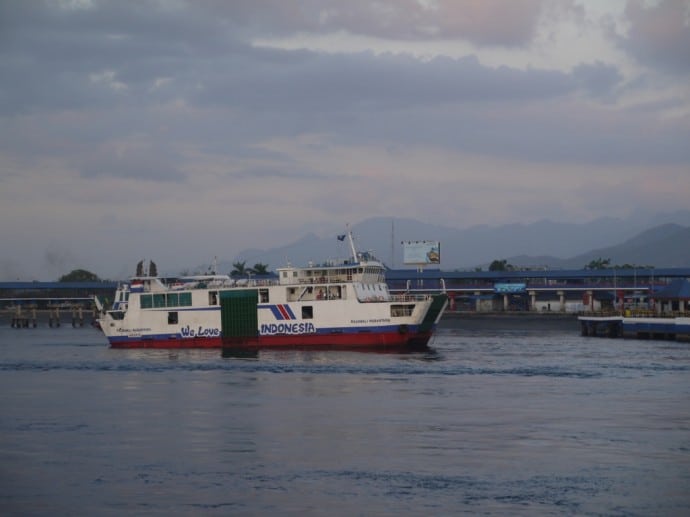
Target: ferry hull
343,341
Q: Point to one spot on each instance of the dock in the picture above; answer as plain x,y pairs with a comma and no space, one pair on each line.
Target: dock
54,316
663,327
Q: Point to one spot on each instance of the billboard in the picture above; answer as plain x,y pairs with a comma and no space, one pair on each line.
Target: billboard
421,252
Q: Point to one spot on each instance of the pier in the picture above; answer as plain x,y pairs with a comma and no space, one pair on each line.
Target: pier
54,304
550,291
645,326
31,315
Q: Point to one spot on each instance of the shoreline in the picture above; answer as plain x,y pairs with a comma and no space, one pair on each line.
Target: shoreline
509,321
450,319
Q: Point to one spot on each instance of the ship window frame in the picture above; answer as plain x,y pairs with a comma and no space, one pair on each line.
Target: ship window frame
159,300
173,318
146,301
186,299
307,312
402,310
172,300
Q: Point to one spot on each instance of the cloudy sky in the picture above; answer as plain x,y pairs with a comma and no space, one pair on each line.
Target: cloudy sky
182,129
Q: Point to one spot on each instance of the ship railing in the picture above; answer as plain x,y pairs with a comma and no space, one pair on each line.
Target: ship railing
409,297
192,286
635,313
604,313
328,279
653,314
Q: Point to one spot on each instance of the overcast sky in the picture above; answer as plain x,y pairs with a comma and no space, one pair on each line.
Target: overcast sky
178,130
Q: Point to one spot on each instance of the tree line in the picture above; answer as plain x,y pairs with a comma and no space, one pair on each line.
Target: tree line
240,269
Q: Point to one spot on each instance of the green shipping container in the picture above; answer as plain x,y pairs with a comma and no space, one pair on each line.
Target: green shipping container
238,313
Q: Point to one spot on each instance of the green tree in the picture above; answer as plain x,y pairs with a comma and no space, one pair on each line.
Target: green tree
79,275
260,269
239,268
599,263
501,265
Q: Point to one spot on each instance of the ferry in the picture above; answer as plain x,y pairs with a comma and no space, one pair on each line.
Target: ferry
338,304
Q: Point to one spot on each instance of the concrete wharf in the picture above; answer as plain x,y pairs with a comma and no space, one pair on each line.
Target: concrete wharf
669,327
537,291
544,290
30,304
55,315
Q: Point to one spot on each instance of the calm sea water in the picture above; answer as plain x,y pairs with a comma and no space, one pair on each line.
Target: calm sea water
484,423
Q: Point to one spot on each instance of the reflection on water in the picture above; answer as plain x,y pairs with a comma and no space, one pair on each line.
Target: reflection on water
491,423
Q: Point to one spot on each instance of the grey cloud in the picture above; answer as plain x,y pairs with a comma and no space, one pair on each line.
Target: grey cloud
54,58
111,57
599,79
489,22
128,60
659,35
315,81
278,172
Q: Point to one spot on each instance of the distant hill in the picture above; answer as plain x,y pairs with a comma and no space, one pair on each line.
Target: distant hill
667,245
658,241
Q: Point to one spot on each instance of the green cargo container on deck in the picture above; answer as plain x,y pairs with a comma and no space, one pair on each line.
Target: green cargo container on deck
238,314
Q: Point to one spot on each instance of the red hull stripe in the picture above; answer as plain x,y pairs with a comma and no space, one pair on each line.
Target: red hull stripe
289,311
280,311
283,312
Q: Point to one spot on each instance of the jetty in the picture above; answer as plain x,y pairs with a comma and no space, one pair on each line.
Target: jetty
54,315
637,326
667,316
54,304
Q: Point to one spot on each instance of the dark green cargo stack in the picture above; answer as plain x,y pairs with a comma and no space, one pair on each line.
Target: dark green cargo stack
238,314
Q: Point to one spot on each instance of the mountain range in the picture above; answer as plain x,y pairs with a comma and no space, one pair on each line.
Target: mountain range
658,241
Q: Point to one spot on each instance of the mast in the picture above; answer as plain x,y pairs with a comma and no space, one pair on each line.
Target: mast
392,241
352,243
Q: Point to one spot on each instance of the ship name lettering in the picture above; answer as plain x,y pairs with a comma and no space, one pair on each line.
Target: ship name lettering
200,332
287,328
